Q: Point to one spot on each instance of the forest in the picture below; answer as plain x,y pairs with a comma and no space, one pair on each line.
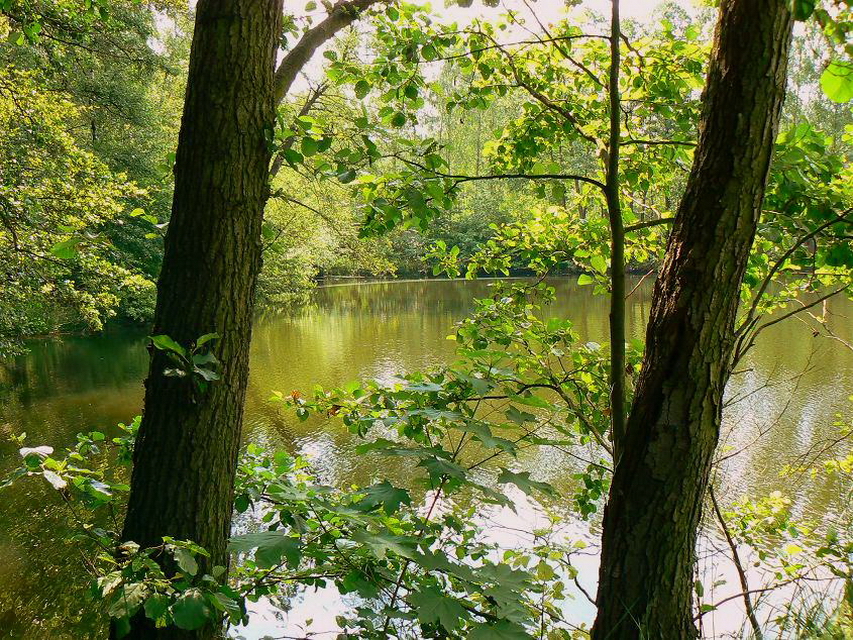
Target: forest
481,319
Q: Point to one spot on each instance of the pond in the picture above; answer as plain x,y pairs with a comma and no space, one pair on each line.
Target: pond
785,399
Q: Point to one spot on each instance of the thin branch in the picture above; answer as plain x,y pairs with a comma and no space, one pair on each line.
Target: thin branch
748,320
648,223
517,43
312,99
458,178
679,143
637,286
739,353
747,601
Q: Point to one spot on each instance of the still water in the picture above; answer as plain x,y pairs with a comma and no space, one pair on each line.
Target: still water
786,399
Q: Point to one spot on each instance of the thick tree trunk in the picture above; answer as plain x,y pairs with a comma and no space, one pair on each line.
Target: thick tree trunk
650,523
186,453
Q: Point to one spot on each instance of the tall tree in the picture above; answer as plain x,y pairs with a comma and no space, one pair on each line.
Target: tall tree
186,453
651,520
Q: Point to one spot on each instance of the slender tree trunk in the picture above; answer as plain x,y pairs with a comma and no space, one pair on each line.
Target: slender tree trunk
186,452
651,520
617,245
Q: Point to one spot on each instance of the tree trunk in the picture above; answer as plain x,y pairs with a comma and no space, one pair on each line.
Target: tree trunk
617,243
186,452
651,520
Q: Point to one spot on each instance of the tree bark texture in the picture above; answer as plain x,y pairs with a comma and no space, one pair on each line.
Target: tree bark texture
651,520
186,452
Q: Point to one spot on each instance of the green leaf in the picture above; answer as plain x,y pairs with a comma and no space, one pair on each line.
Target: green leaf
357,581
207,374
346,176
156,606
270,547
508,582
40,452
201,359
532,401
190,611
122,627
837,81
226,604
382,543
165,343
386,494
362,88
502,630
585,279
127,600
95,488
241,503
309,146
66,249
186,561
207,337
519,417
433,606
438,467
522,481
598,263
484,434
439,562
293,157
425,387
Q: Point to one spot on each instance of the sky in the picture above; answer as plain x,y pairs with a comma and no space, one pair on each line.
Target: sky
548,11
552,10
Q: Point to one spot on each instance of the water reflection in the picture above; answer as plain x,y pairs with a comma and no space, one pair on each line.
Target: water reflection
783,401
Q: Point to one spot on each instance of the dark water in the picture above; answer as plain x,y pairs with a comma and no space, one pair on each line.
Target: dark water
793,387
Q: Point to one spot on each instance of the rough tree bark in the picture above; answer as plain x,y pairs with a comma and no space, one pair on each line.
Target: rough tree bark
651,520
186,452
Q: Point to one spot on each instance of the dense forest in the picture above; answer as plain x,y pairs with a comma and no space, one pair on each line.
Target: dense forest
191,173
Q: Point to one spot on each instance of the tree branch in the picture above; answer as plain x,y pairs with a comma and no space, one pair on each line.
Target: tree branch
315,95
459,178
748,320
342,15
680,143
747,601
648,223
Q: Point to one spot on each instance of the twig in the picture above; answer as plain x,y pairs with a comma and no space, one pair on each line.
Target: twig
747,601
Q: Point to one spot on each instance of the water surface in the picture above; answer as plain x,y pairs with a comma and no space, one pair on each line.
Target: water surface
785,400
